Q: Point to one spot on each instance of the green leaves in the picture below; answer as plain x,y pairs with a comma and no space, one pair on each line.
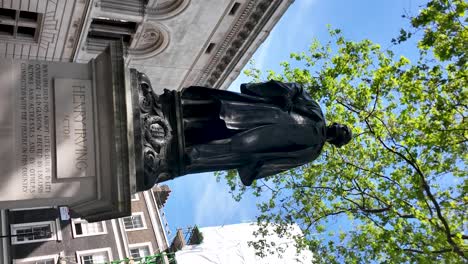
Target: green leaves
444,25
400,186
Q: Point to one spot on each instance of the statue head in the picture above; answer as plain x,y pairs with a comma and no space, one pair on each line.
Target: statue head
338,134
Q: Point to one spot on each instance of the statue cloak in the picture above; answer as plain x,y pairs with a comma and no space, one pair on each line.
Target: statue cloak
277,126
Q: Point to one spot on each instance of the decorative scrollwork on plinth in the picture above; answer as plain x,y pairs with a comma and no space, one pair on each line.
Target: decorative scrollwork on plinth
156,131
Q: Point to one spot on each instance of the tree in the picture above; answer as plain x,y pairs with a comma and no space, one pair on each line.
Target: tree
401,184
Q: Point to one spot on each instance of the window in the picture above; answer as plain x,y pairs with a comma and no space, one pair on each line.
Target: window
19,24
134,222
138,251
32,232
94,256
135,197
234,8
39,261
209,48
82,228
31,208
45,261
104,30
51,259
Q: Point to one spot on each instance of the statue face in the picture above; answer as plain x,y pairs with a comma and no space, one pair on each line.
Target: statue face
339,134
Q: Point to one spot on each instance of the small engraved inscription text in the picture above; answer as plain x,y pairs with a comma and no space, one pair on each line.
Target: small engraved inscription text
34,113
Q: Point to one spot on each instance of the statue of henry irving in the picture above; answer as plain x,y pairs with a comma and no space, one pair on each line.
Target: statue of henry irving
269,128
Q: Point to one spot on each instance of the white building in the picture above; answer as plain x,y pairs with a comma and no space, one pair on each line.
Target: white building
229,244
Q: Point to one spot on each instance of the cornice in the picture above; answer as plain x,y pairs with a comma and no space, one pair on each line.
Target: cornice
253,16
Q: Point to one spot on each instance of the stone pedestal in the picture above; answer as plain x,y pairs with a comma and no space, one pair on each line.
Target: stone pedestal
68,137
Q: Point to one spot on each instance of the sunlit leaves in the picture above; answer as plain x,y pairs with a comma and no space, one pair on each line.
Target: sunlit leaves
398,192
444,24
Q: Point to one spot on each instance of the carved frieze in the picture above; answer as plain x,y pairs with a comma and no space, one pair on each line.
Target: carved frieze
253,13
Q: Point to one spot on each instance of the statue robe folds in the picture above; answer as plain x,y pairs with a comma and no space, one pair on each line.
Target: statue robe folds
269,128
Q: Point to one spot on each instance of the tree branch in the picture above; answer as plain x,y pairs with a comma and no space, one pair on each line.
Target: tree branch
423,252
369,170
427,189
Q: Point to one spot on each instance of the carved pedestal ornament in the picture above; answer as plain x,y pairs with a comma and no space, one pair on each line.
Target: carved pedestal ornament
156,131
161,134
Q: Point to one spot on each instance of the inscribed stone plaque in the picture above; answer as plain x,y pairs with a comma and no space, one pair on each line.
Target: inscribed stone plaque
52,150
27,135
33,128
74,128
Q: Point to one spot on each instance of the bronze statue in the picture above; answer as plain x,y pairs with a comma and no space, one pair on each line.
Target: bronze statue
266,129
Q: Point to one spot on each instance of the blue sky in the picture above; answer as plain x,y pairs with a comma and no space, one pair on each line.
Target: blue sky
198,199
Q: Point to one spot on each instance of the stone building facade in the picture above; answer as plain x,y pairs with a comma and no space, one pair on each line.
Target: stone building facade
44,234
177,43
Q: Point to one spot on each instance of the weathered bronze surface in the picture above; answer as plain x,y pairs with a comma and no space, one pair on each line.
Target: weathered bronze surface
264,130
